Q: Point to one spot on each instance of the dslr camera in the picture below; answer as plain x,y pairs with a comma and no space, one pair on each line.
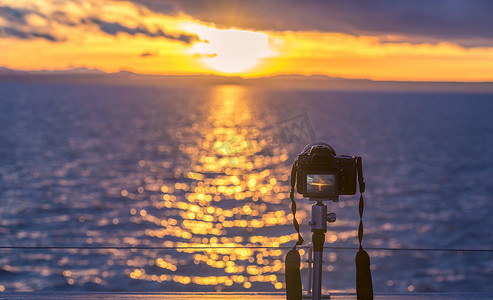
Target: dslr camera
321,173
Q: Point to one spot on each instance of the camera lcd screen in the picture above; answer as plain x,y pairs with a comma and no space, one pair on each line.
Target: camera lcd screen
321,185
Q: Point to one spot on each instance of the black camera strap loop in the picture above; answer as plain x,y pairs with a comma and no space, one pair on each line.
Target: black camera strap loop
361,183
294,288
293,206
364,285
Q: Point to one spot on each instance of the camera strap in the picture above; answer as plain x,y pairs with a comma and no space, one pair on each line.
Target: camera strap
364,286
293,205
293,260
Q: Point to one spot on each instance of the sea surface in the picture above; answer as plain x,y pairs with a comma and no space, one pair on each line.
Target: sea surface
173,168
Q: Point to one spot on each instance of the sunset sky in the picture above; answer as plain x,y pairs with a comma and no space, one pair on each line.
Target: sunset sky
442,40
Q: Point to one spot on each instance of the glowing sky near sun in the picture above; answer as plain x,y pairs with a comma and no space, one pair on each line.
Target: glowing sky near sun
143,37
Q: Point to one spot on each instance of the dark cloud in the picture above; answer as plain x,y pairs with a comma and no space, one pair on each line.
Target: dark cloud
148,54
113,28
437,19
467,22
19,27
14,15
20,34
61,17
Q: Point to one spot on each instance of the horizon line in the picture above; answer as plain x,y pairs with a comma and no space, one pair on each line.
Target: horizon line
84,71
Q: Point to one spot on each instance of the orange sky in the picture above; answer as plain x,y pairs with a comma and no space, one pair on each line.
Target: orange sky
121,35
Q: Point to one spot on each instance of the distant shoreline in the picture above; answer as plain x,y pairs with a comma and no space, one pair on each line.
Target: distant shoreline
288,82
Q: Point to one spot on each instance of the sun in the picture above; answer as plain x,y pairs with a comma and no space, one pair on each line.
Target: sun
230,51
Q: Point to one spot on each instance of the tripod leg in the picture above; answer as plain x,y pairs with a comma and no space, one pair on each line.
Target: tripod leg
318,239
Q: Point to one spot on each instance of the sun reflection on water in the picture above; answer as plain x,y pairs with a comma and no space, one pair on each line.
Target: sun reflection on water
227,191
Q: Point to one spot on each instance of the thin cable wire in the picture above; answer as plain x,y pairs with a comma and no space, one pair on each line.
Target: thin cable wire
142,247
233,247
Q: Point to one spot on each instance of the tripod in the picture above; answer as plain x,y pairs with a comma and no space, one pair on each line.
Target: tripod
319,228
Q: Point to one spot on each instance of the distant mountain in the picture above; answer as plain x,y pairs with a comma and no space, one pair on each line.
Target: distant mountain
73,71
4,70
315,82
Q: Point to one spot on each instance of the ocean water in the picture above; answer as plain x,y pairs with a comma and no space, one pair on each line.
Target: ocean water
191,167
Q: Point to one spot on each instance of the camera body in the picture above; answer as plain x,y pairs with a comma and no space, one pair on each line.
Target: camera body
321,173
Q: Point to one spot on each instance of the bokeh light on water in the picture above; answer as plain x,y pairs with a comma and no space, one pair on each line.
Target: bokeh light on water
228,189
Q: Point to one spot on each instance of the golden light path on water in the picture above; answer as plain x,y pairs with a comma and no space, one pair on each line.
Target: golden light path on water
232,184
